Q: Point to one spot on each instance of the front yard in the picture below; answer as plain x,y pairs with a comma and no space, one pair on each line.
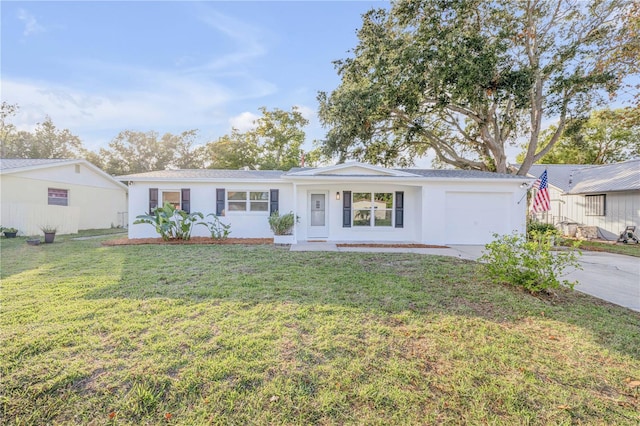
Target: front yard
205,334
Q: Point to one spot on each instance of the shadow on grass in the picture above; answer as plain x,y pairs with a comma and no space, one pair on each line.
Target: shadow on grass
380,283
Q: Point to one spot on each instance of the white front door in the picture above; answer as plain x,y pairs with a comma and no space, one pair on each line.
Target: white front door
318,226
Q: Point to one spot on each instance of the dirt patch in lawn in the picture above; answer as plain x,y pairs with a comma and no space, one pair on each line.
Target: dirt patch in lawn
375,245
193,240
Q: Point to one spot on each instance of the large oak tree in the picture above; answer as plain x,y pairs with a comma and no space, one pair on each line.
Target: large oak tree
467,78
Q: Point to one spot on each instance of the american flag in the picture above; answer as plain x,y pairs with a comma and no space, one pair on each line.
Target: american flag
541,201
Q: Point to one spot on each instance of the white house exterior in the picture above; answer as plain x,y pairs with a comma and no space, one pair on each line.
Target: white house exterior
605,196
67,194
346,202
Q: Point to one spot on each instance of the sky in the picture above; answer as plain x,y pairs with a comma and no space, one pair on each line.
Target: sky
98,68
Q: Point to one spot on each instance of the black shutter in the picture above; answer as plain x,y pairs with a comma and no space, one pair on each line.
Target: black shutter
219,201
153,199
346,209
186,200
273,203
399,209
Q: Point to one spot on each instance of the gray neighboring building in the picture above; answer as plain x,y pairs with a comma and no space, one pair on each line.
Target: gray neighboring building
606,196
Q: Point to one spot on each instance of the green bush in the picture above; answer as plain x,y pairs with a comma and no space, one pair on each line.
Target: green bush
529,263
541,228
218,230
282,225
171,223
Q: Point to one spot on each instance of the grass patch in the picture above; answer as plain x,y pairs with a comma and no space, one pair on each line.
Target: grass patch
615,248
259,335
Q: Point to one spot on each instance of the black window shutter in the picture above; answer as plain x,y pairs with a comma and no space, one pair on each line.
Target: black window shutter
346,209
153,199
186,200
273,203
399,209
219,201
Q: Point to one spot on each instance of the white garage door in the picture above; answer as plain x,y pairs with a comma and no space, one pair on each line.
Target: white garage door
473,217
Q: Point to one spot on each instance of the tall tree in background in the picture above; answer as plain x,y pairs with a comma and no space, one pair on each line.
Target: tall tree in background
605,137
466,78
46,141
137,152
274,144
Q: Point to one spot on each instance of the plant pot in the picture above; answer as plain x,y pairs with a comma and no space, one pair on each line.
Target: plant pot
49,237
283,240
10,234
33,241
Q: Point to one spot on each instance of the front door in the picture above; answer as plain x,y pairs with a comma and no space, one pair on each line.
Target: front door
318,224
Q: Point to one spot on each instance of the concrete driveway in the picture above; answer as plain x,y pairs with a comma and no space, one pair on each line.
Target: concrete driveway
611,277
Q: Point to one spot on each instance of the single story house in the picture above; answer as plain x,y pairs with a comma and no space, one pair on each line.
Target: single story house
66,194
346,202
604,196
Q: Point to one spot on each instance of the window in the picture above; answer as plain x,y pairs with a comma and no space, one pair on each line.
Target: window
372,209
171,197
595,205
58,197
248,201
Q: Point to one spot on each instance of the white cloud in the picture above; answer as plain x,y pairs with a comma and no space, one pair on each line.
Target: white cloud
244,121
31,25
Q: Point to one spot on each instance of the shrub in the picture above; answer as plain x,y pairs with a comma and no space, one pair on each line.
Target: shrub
282,225
529,263
541,228
171,223
218,230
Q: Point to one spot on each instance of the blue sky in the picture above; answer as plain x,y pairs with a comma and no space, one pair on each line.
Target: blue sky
98,68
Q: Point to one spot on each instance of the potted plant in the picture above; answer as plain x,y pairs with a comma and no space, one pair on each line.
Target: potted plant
9,232
49,233
282,227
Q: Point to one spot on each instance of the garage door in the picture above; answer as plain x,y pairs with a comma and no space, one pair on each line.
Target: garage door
473,217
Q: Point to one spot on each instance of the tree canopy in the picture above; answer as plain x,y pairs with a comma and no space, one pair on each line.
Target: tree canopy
607,136
468,78
274,144
46,141
138,152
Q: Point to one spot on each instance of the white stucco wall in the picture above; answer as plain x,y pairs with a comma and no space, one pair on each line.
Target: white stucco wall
495,206
203,200
94,201
336,232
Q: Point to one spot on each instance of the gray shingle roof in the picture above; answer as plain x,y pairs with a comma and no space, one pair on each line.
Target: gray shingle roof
204,174
20,163
459,174
623,176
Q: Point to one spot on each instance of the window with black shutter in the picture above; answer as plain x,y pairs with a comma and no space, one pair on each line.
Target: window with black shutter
153,199
274,200
399,209
346,209
220,193
186,200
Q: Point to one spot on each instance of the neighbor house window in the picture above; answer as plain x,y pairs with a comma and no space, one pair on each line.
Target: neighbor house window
372,209
171,197
595,205
248,201
58,197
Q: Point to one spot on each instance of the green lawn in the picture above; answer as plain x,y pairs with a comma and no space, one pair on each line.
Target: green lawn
617,248
259,335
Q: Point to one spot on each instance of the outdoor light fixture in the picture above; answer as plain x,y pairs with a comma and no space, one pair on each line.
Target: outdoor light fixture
524,185
338,195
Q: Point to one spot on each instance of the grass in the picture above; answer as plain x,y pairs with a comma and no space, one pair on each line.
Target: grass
617,248
259,335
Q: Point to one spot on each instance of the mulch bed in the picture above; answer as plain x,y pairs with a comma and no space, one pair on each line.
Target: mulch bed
193,240
373,245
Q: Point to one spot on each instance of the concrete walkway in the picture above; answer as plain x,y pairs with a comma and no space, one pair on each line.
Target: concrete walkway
611,277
